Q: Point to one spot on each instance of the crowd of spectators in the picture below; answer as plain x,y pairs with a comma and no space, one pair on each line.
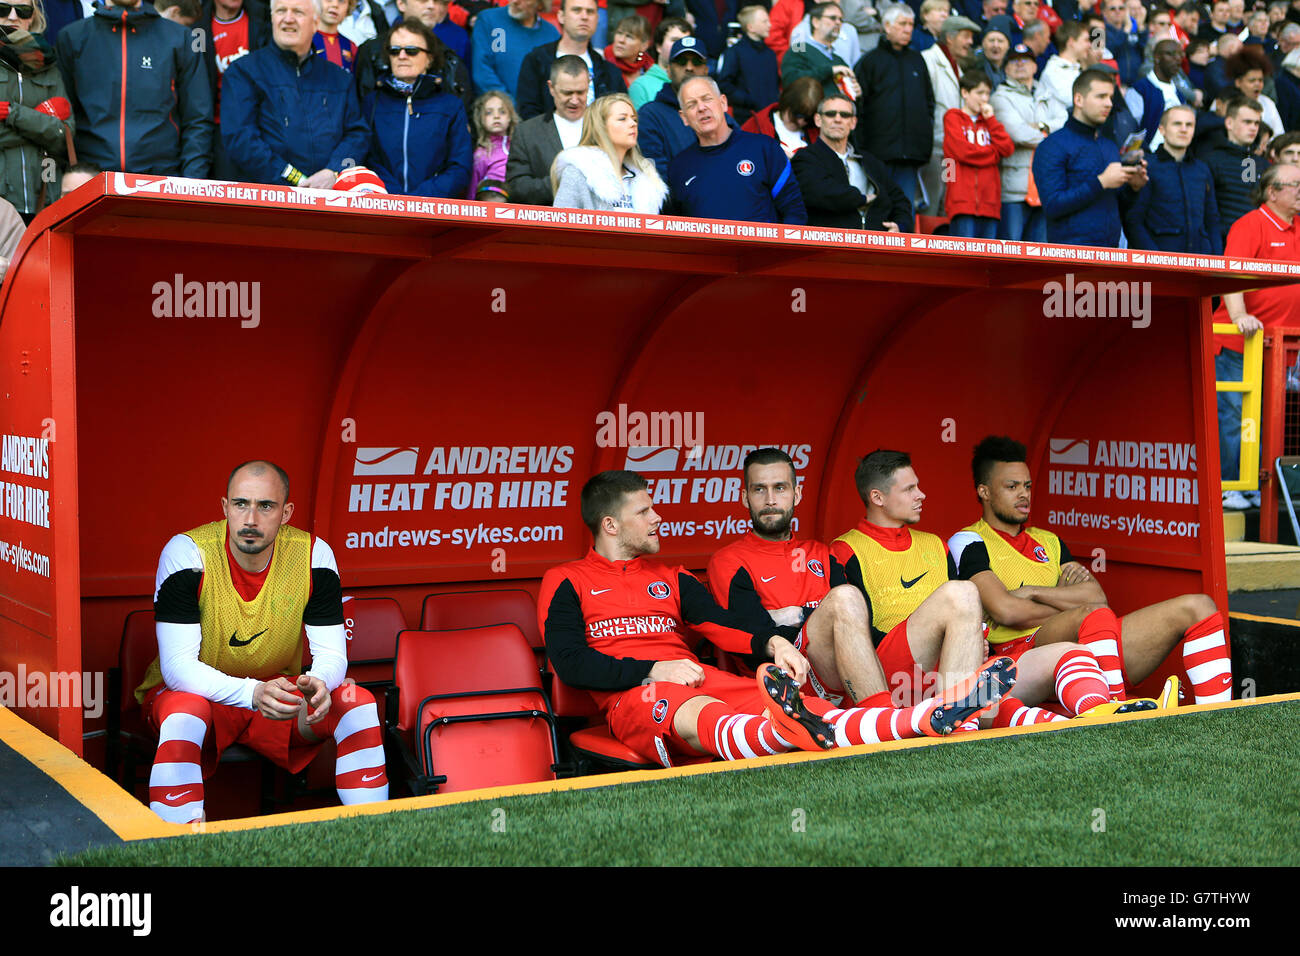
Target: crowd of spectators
1101,122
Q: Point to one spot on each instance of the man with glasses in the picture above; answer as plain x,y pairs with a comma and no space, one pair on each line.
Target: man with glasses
1268,232
291,117
142,107
664,133
842,188
815,56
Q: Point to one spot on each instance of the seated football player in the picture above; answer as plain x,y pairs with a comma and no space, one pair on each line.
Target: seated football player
615,623
1036,594
232,600
922,618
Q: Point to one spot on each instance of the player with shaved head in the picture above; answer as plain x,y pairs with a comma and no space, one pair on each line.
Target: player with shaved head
231,602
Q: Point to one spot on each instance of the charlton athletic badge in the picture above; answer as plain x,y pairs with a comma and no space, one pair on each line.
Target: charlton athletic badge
660,590
1040,554
745,167
816,568
660,710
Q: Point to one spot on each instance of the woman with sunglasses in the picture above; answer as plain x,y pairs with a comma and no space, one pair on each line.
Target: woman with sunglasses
32,100
421,144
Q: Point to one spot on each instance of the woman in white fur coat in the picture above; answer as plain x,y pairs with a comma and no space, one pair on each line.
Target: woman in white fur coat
606,170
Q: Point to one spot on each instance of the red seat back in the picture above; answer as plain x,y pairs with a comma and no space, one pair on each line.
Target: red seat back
457,609
570,701
372,628
459,662
139,648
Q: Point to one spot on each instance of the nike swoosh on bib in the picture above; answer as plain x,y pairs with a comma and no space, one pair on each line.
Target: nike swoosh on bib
908,584
236,642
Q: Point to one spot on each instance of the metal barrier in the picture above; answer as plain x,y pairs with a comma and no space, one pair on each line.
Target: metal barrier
1251,372
1280,431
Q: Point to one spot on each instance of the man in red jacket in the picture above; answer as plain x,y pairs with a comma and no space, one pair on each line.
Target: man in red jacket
974,144
616,622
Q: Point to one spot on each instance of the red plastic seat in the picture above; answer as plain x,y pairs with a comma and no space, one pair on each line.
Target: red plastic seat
372,628
456,609
594,745
469,705
928,225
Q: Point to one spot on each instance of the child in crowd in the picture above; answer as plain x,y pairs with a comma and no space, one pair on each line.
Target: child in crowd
495,121
328,42
628,51
747,70
974,144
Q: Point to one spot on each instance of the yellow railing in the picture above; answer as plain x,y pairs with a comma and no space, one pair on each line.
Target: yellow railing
1252,372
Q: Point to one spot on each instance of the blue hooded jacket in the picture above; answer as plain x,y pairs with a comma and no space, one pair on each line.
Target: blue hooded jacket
421,144
1079,210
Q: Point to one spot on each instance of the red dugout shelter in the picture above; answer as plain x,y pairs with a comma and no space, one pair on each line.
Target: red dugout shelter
440,377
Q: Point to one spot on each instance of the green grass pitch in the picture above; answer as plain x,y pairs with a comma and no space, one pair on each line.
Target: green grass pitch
1211,789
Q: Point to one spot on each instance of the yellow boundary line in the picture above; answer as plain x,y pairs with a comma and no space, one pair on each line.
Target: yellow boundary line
132,820
1289,622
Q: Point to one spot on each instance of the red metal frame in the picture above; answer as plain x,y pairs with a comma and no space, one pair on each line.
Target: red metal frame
1278,342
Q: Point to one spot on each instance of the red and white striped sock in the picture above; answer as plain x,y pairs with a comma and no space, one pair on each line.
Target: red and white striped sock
353,722
732,736
1100,633
1205,655
176,780
874,720
1080,684
1014,713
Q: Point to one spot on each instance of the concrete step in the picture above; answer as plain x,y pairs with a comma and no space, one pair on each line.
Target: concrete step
1255,566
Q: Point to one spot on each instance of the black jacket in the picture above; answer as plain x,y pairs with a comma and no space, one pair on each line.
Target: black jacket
749,77
1236,170
832,201
896,111
534,99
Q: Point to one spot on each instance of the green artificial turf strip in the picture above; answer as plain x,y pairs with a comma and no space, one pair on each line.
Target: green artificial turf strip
1215,789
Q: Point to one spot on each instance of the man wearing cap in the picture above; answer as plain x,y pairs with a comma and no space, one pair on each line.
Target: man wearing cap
1024,116
815,56
729,173
1063,68
664,132
1078,171
944,62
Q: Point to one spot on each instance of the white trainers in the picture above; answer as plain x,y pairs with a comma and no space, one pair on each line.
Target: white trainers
1235,501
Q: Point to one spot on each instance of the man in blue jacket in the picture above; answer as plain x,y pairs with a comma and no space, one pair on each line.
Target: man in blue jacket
288,116
1230,154
1177,211
728,173
1078,172
502,37
663,132
139,92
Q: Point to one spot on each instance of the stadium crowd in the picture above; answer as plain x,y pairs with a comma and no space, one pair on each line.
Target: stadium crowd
1156,123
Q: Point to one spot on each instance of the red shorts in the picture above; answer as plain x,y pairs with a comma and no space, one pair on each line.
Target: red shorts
642,717
275,740
1013,649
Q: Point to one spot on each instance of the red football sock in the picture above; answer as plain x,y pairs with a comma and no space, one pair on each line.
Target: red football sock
875,719
353,722
1205,655
1100,633
1080,683
1015,713
176,781
732,736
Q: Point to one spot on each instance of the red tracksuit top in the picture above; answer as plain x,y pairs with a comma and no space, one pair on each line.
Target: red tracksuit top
606,623
977,147
753,575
